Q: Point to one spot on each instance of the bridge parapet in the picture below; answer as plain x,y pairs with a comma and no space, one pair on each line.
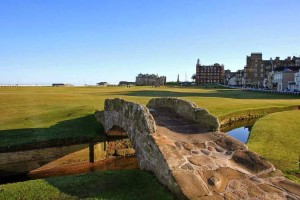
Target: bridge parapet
127,115
187,110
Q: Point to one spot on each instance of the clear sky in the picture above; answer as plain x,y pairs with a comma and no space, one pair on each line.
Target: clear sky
86,41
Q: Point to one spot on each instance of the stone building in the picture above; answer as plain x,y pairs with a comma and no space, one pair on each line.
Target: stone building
227,76
256,70
209,73
234,78
282,79
150,79
297,81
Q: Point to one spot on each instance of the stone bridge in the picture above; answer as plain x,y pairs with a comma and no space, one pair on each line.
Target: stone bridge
181,144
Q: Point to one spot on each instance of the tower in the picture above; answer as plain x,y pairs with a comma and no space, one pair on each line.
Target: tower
198,62
178,78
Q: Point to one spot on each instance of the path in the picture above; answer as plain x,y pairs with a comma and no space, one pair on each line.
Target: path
206,169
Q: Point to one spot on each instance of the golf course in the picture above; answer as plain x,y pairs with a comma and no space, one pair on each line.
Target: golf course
32,117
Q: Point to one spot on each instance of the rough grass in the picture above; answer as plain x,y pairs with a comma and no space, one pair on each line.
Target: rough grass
127,184
31,115
277,138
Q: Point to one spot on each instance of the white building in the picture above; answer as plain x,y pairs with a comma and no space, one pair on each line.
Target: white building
296,84
281,80
232,81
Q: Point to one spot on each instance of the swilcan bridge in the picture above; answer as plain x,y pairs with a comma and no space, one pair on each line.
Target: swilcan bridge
182,145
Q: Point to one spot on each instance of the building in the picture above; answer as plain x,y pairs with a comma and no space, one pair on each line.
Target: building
103,84
281,80
232,81
297,81
234,78
209,73
256,70
150,79
227,75
269,81
295,85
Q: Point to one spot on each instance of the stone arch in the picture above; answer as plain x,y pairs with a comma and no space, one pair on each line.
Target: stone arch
181,165
136,120
116,131
133,119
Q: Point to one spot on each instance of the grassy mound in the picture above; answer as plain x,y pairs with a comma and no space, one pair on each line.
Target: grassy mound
277,138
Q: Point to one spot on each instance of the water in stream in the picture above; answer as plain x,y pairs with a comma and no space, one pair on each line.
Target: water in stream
241,133
239,130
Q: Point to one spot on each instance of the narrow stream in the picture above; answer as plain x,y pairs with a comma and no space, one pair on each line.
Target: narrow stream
241,133
239,130
112,163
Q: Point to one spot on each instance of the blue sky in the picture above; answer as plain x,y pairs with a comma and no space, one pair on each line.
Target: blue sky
86,41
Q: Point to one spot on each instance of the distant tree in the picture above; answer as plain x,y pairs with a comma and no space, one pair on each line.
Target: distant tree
193,77
172,83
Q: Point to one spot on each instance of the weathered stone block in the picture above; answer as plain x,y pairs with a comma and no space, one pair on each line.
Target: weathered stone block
251,161
125,152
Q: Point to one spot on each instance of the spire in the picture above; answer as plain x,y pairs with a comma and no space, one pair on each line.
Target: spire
198,61
271,60
178,78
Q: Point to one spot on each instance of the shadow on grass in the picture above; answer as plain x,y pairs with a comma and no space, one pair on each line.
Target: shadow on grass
125,184
223,93
73,131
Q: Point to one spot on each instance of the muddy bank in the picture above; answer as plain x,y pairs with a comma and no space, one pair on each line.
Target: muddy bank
109,164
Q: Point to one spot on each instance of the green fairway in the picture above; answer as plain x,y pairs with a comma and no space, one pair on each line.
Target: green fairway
127,184
31,115
277,138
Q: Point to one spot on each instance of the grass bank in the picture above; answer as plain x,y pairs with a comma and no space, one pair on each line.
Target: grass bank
277,138
127,184
250,114
35,115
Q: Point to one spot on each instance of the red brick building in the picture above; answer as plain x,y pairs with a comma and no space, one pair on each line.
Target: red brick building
213,74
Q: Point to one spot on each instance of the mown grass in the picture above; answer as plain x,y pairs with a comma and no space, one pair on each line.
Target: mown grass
127,184
38,116
277,138
31,115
